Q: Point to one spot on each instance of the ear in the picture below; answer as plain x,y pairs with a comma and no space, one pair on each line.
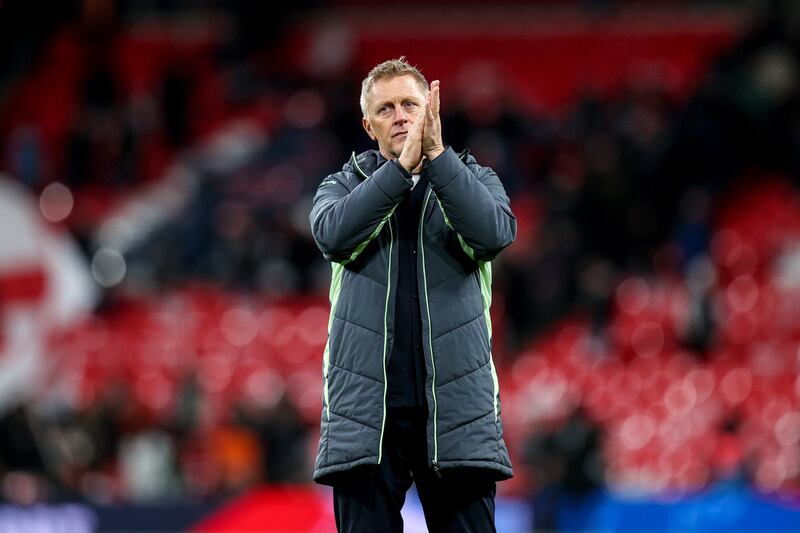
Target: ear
368,128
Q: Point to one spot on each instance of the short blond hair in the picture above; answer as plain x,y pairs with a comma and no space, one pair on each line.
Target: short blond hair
390,69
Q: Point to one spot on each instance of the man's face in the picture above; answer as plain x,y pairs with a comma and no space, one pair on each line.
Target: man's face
393,104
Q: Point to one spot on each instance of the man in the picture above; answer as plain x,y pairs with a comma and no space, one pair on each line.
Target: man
410,389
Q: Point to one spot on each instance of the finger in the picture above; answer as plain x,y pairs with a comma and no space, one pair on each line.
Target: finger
434,96
421,117
417,127
414,126
423,114
428,109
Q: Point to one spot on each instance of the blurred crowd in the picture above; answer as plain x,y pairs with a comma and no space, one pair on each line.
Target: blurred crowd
192,147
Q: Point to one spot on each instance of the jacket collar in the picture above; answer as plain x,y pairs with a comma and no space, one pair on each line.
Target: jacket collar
365,163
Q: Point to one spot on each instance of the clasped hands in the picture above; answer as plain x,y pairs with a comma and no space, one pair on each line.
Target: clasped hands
424,138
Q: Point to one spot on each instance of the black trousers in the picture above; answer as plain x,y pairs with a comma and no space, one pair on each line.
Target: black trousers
368,499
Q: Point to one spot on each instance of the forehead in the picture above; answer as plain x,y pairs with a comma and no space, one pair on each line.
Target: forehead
404,86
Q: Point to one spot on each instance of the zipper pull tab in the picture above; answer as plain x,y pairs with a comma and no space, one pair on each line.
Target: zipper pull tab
435,467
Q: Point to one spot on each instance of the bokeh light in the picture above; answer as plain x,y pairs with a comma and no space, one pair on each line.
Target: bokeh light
56,202
108,267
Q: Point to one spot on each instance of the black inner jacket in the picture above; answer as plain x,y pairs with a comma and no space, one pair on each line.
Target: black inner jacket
406,368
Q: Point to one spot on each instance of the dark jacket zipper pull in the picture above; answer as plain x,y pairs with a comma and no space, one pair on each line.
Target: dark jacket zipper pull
435,467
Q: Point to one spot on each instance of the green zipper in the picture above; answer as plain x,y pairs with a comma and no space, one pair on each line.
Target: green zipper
354,160
386,336
358,168
435,463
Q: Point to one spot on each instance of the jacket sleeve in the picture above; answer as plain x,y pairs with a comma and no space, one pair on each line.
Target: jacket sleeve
343,222
474,203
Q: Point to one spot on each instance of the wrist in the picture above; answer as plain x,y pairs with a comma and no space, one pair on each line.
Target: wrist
405,165
434,153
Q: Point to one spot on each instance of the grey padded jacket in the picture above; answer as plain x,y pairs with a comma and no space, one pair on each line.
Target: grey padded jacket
465,222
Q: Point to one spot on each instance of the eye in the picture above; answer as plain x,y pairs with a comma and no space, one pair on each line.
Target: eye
410,105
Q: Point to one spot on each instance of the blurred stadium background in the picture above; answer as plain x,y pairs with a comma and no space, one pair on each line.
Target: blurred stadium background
163,308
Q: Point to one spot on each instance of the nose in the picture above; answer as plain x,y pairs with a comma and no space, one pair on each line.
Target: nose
400,115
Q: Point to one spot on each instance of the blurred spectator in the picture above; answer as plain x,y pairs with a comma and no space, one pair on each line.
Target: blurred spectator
147,463
284,438
566,467
22,465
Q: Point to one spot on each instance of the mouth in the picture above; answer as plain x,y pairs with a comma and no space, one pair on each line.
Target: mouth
399,133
